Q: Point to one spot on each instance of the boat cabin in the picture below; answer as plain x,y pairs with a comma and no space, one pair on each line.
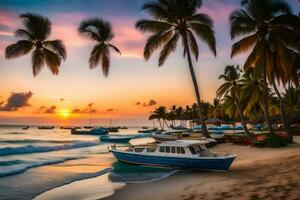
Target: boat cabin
180,148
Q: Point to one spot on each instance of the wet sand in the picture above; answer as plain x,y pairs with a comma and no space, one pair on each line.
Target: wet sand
257,173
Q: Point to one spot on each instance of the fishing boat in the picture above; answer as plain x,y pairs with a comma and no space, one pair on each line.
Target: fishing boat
95,131
179,154
46,127
99,131
116,138
148,130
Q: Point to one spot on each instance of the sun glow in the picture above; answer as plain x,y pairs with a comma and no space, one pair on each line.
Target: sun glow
65,113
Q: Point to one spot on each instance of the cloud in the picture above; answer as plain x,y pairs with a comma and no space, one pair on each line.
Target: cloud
150,103
16,101
88,109
137,103
50,110
129,40
110,110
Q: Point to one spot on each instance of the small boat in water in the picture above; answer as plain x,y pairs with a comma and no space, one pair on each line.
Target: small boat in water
25,128
116,138
46,127
148,130
95,131
179,154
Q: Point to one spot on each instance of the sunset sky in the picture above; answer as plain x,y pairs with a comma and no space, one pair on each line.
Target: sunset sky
133,88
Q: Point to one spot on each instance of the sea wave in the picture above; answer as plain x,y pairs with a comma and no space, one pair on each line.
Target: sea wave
39,149
21,167
36,141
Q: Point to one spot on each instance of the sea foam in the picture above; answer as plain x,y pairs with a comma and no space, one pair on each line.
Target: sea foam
38,149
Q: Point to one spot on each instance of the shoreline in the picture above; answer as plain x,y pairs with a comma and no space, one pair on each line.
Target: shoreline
258,173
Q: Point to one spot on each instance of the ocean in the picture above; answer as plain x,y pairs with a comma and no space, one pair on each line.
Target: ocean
34,162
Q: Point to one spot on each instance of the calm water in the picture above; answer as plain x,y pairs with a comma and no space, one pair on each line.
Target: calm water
23,153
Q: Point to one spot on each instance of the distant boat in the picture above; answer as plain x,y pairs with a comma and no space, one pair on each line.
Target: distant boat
144,127
179,154
116,138
25,128
148,130
88,127
46,127
113,129
95,131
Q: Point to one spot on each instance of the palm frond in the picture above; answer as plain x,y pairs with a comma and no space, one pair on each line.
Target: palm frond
38,26
95,56
241,23
153,26
114,48
202,19
24,34
244,44
57,46
168,48
105,60
155,41
53,60
193,44
96,29
20,48
38,61
206,33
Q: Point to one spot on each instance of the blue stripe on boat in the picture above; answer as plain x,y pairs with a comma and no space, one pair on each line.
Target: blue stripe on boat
214,163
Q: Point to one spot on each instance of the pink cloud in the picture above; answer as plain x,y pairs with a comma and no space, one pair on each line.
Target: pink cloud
129,40
64,27
219,13
9,19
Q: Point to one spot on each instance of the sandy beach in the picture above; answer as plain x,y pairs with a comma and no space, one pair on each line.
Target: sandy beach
257,173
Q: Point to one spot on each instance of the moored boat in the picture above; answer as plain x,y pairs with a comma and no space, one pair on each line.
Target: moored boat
46,127
179,154
116,138
95,131
25,128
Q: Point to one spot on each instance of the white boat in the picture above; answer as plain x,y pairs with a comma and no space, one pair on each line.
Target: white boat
179,154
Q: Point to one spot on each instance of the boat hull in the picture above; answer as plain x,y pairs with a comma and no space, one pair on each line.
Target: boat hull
208,164
115,139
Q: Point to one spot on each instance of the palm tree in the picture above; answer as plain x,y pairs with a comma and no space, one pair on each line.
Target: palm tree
291,99
232,88
268,26
100,32
34,38
174,19
161,113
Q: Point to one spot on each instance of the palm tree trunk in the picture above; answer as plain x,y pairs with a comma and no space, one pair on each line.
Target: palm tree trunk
196,88
243,121
282,113
265,99
165,121
159,123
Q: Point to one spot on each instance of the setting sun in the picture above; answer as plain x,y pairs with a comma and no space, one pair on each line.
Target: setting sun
65,113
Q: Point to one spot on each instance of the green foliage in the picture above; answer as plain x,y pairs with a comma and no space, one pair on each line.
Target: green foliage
273,140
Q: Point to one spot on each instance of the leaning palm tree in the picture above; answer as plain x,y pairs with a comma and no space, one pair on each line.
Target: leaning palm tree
172,20
34,38
232,88
100,32
268,27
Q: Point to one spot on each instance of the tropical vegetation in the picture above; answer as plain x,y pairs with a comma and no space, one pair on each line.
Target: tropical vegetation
99,31
34,35
172,20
